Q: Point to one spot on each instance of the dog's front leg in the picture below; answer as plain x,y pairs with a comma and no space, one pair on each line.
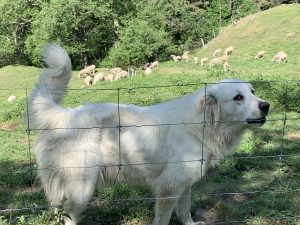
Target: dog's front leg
183,208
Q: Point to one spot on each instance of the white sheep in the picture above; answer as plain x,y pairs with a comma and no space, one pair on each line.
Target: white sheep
185,56
109,77
290,35
218,60
226,67
146,66
260,54
117,77
115,70
174,58
123,74
11,98
88,80
217,52
147,71
280,57
154,64
229,50
204,61
90,70
98,78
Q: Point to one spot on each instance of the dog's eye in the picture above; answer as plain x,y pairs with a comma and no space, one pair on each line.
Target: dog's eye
238,98
252,91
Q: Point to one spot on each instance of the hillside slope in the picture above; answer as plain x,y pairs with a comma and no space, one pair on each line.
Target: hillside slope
265,30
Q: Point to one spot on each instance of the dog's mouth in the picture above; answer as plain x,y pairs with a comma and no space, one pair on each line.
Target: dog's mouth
259,121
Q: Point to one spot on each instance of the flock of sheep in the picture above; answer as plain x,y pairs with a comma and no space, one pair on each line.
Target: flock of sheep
90,77
220,57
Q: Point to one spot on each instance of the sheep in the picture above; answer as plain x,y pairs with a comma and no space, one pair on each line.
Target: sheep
226,67
196,60
147,71
90,70
109,77
290,35
280,57
11,98
204,61
117,77
154,64
88,80
185,56
146,66
123,74
115,70
217,52
178,58
174,58
98,77
260,55
229,50
218,60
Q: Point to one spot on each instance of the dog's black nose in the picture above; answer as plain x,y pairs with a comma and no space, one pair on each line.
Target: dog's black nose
264,107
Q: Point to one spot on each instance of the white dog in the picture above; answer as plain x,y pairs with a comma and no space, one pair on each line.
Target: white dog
98,143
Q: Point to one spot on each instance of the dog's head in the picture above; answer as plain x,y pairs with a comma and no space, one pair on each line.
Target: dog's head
233,101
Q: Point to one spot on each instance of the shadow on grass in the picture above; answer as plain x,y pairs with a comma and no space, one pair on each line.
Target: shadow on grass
258,188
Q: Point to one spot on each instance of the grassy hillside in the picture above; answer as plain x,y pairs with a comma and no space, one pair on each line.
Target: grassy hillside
264,190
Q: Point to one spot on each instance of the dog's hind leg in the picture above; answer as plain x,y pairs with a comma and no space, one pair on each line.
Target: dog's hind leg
79,193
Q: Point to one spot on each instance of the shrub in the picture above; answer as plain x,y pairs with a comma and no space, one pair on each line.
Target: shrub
140,42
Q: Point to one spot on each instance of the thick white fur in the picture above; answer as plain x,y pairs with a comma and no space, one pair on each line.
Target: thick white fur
73,161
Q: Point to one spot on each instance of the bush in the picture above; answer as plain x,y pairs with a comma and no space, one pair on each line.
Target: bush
140,42
85,30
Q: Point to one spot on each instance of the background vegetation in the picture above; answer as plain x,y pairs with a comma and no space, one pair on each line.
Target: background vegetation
93,31
261,179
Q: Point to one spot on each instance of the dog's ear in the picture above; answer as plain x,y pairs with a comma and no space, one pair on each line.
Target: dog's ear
209,108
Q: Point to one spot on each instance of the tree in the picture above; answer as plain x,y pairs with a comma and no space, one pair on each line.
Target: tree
84,28
15,24
140,42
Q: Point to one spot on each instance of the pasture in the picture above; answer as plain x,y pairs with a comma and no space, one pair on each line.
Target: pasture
258,184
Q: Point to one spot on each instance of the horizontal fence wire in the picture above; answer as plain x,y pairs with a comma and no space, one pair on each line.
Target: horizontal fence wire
31,168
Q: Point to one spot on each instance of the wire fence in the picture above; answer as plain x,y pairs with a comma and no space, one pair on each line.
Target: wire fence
289,90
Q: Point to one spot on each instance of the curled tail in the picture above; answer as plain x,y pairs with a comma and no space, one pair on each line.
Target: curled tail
50,88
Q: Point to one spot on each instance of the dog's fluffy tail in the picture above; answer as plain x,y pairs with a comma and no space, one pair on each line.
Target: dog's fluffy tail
50,88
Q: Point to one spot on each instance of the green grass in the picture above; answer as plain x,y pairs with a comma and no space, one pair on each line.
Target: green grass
263,190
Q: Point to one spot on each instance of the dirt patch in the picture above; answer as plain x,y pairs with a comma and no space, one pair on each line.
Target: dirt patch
209,216
293,136
8,126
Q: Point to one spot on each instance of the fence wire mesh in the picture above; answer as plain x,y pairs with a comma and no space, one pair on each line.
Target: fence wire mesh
283,126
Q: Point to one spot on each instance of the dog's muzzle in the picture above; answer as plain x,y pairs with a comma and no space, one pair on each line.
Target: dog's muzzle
264,110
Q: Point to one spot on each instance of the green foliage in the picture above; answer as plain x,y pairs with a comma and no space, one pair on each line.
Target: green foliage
85,30
15,24
91,31
266,4
140,42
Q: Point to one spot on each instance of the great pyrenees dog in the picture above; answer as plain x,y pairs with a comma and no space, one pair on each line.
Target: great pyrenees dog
167,146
